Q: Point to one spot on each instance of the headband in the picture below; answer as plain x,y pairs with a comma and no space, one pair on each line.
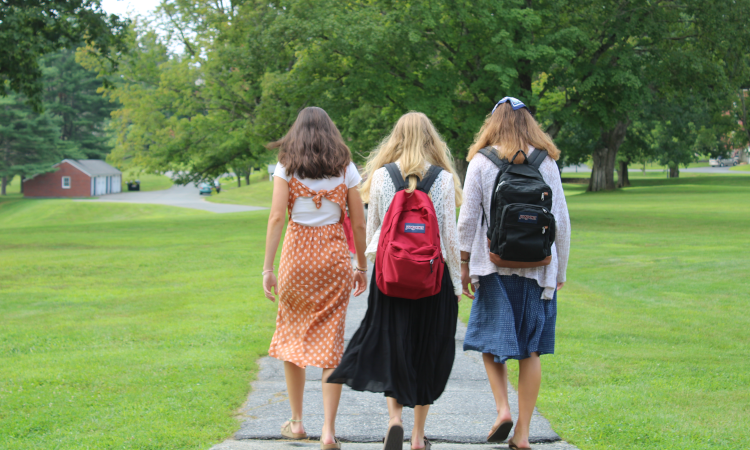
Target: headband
514,103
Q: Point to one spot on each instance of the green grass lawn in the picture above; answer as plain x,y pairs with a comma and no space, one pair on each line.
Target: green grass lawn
742,168
652,337
149,181
127,326
137,326
257,193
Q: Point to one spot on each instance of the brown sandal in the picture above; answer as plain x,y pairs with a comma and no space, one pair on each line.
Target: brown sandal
286,431
427,445
335,446
501,432
394,439
513,446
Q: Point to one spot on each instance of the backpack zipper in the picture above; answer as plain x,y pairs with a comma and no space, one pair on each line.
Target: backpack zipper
431,261
498,186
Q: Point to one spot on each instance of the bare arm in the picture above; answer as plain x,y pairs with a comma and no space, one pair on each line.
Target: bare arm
357,216
273,233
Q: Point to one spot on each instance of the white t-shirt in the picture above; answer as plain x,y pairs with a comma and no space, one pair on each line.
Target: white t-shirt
304,211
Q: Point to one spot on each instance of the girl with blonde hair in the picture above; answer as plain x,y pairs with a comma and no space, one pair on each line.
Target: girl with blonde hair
513,315
405,348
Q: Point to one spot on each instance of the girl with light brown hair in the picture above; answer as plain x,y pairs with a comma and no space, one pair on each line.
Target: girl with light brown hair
514,313
405,348
314,181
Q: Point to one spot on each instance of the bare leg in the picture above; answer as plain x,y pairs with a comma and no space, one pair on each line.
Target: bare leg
417,433
331,397
529,380
295,386
497,373
395,409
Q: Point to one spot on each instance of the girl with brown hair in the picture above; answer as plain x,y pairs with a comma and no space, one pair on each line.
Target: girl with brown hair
513,315
405,348
315,179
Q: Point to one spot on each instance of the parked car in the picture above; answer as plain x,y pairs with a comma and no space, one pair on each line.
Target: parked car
204,188
722,162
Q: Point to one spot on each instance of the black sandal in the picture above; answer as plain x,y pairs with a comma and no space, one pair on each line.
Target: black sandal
500,433
394,439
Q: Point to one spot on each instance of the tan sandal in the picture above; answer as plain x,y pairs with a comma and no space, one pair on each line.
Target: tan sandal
513,446
335,446
286,431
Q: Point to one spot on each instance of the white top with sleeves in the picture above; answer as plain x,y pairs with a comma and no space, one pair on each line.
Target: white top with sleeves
382,191
304,211
480,180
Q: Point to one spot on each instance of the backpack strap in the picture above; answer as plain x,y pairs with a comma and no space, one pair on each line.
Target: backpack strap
429,178
395,174
537,158
489,152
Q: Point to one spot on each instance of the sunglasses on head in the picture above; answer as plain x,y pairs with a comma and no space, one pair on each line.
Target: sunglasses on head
514,103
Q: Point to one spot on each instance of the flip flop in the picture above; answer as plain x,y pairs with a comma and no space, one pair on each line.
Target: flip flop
501,432
513,446
394,439
335,446
286,431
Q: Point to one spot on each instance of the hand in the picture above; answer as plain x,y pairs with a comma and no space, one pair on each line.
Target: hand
360,282
458,299
466,281
560,285
269,281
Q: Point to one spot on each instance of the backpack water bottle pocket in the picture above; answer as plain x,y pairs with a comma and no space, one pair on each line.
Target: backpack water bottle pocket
524,237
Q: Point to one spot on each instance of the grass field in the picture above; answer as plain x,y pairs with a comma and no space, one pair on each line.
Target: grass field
126,326
115,333
742,168
257,193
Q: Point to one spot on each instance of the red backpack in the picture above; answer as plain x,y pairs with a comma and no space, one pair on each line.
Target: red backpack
409,262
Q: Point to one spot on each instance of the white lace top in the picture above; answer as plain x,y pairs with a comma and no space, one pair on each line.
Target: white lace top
382,191
480,179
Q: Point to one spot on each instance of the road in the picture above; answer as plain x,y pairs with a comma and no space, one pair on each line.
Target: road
180,196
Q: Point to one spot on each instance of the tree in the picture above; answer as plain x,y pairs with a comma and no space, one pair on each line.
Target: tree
28,141
71,94
32,28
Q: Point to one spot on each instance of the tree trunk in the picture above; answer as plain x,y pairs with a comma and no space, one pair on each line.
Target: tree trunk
674,172
4,183
461,165
23,178
603,172
239,180
247,178
622,175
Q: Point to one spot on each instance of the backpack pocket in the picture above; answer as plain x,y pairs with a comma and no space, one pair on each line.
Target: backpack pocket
411,274
525,234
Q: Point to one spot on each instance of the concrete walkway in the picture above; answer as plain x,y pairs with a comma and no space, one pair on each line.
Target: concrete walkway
459,420
180,196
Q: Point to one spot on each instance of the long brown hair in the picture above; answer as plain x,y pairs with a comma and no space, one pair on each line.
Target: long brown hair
413,141
511,131
313,146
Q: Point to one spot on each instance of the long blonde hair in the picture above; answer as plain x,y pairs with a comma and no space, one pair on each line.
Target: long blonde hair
413,141
511,131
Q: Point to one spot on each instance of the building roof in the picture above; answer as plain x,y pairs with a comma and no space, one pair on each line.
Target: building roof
93,167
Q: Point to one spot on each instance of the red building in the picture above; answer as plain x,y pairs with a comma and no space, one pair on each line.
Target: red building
75,178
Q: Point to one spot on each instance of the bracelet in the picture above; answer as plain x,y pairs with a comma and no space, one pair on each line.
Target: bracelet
464,261
266,271
359,270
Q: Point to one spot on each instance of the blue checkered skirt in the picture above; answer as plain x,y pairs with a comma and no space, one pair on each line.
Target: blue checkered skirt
510,320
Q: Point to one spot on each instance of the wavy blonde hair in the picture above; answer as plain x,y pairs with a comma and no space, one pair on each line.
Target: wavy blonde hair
413,142
511,131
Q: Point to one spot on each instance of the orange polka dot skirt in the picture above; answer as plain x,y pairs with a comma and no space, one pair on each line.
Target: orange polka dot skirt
315,283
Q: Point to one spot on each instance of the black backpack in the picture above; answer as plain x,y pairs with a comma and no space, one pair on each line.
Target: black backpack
521,227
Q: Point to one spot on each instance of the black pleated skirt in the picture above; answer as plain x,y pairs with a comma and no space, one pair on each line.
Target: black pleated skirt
403,348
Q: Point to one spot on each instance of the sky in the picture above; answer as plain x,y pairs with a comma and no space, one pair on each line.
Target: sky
129,7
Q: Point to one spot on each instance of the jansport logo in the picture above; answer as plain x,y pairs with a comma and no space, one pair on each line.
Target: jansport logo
414,228
527,217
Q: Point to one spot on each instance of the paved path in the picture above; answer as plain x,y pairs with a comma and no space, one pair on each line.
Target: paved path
180,196
463,414
584,169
